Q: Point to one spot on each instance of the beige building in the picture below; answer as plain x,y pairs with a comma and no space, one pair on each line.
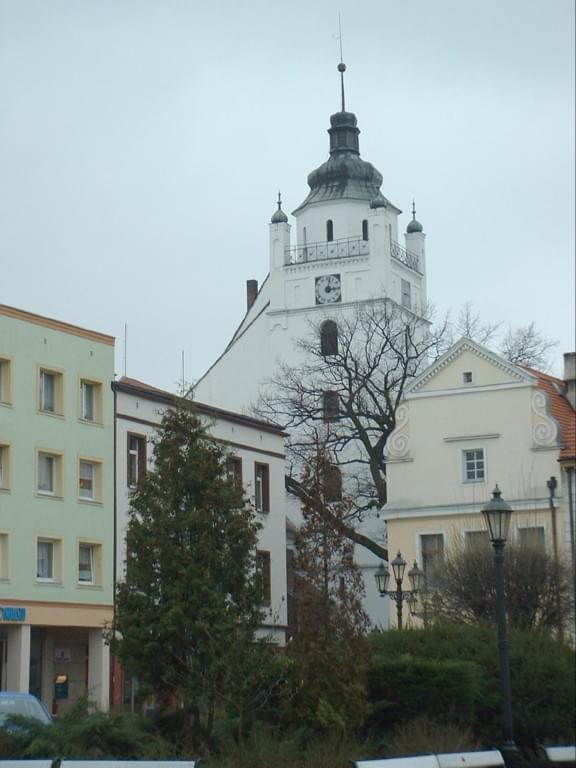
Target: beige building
470,421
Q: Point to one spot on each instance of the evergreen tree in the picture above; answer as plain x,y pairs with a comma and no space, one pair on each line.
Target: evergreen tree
188,610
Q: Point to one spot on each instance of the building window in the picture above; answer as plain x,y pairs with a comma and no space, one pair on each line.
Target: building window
262,487
4,556
330,406
406,294
136,459
4,467
89,480
5,380
90,401
365,229
467,377
432,550
329,230
474,465
264,575
532,537
47,560
332,484
475,540
50,392
49,473
234,471
88,563
329,338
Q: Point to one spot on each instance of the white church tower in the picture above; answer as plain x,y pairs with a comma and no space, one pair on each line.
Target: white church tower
347,252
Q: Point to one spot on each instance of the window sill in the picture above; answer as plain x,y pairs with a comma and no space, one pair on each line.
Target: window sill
5,490
47,583
52,414
6,403
474,482
85,585
47,495
91,422
90,502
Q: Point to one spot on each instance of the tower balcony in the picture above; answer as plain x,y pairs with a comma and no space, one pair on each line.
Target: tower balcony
345,248
331,249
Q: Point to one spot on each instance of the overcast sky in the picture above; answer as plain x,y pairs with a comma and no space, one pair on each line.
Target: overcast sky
143,142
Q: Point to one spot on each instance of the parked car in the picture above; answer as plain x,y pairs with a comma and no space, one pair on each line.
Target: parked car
23,704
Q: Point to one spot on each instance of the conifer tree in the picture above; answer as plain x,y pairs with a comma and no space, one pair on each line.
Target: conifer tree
190,604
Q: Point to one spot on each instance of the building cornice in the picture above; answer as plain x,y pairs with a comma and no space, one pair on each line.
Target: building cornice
55,325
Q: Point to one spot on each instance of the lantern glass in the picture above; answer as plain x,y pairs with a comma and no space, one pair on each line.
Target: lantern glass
382,577
398,566
417,578
497,514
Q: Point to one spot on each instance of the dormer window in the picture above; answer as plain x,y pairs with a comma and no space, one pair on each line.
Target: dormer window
329,230
365,229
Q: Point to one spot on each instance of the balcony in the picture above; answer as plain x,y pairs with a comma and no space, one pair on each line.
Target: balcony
332,249
409,259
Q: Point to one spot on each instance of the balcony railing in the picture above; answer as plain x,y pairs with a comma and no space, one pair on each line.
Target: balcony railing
332,249
409,259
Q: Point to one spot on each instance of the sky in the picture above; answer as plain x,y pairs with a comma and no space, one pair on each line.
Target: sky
143,144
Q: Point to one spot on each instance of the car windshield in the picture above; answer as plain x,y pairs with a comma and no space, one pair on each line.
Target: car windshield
26,707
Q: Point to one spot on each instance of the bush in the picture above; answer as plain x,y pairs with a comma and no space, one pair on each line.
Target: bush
406,688
542,677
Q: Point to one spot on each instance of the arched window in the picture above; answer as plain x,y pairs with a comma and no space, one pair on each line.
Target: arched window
365,229
328,338
332,484
329,230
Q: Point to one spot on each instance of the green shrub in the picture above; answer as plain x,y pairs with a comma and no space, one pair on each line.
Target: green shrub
407,687
541,669
426,735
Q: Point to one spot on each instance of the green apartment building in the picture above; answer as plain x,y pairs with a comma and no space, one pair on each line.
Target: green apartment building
56,508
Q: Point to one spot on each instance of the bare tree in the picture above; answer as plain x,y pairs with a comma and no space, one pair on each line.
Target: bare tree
345,395
469,324
538,587
526,345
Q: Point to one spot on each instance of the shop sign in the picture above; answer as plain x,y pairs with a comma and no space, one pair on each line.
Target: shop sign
12,613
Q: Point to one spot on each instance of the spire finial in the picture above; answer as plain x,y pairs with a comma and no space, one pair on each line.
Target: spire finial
341,65
279,217
413,209
279,200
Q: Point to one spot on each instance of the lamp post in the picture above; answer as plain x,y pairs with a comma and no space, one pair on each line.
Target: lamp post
497,514
415,575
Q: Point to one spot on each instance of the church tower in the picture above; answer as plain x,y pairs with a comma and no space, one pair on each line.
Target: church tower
346,252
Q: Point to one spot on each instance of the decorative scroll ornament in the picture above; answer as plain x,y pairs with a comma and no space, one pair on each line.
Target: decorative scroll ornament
398,445
544,428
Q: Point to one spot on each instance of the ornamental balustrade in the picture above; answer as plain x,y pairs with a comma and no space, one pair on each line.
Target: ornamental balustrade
345,248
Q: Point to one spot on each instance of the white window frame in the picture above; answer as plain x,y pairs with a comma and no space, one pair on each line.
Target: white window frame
472,464
87,480
420,549
528,527
4,466
54,461
52,571
136,458
50,402
88,566
4,555
5,381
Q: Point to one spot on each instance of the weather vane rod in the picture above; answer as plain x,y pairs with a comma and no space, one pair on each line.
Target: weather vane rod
341,66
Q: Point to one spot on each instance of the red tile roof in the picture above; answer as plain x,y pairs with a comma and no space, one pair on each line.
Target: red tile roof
561,411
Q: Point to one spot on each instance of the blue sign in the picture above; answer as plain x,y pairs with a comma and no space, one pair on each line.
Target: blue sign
11,613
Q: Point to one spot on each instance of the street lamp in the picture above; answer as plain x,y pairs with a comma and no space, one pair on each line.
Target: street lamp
415,575
497,514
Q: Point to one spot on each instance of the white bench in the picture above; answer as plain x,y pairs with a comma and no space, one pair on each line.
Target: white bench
490,758
418,761
128,763
561,754
480,759
25,763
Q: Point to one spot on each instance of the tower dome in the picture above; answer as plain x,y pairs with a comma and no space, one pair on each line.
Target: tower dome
414,225
279,217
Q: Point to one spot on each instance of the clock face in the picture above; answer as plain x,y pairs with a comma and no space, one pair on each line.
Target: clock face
328,289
